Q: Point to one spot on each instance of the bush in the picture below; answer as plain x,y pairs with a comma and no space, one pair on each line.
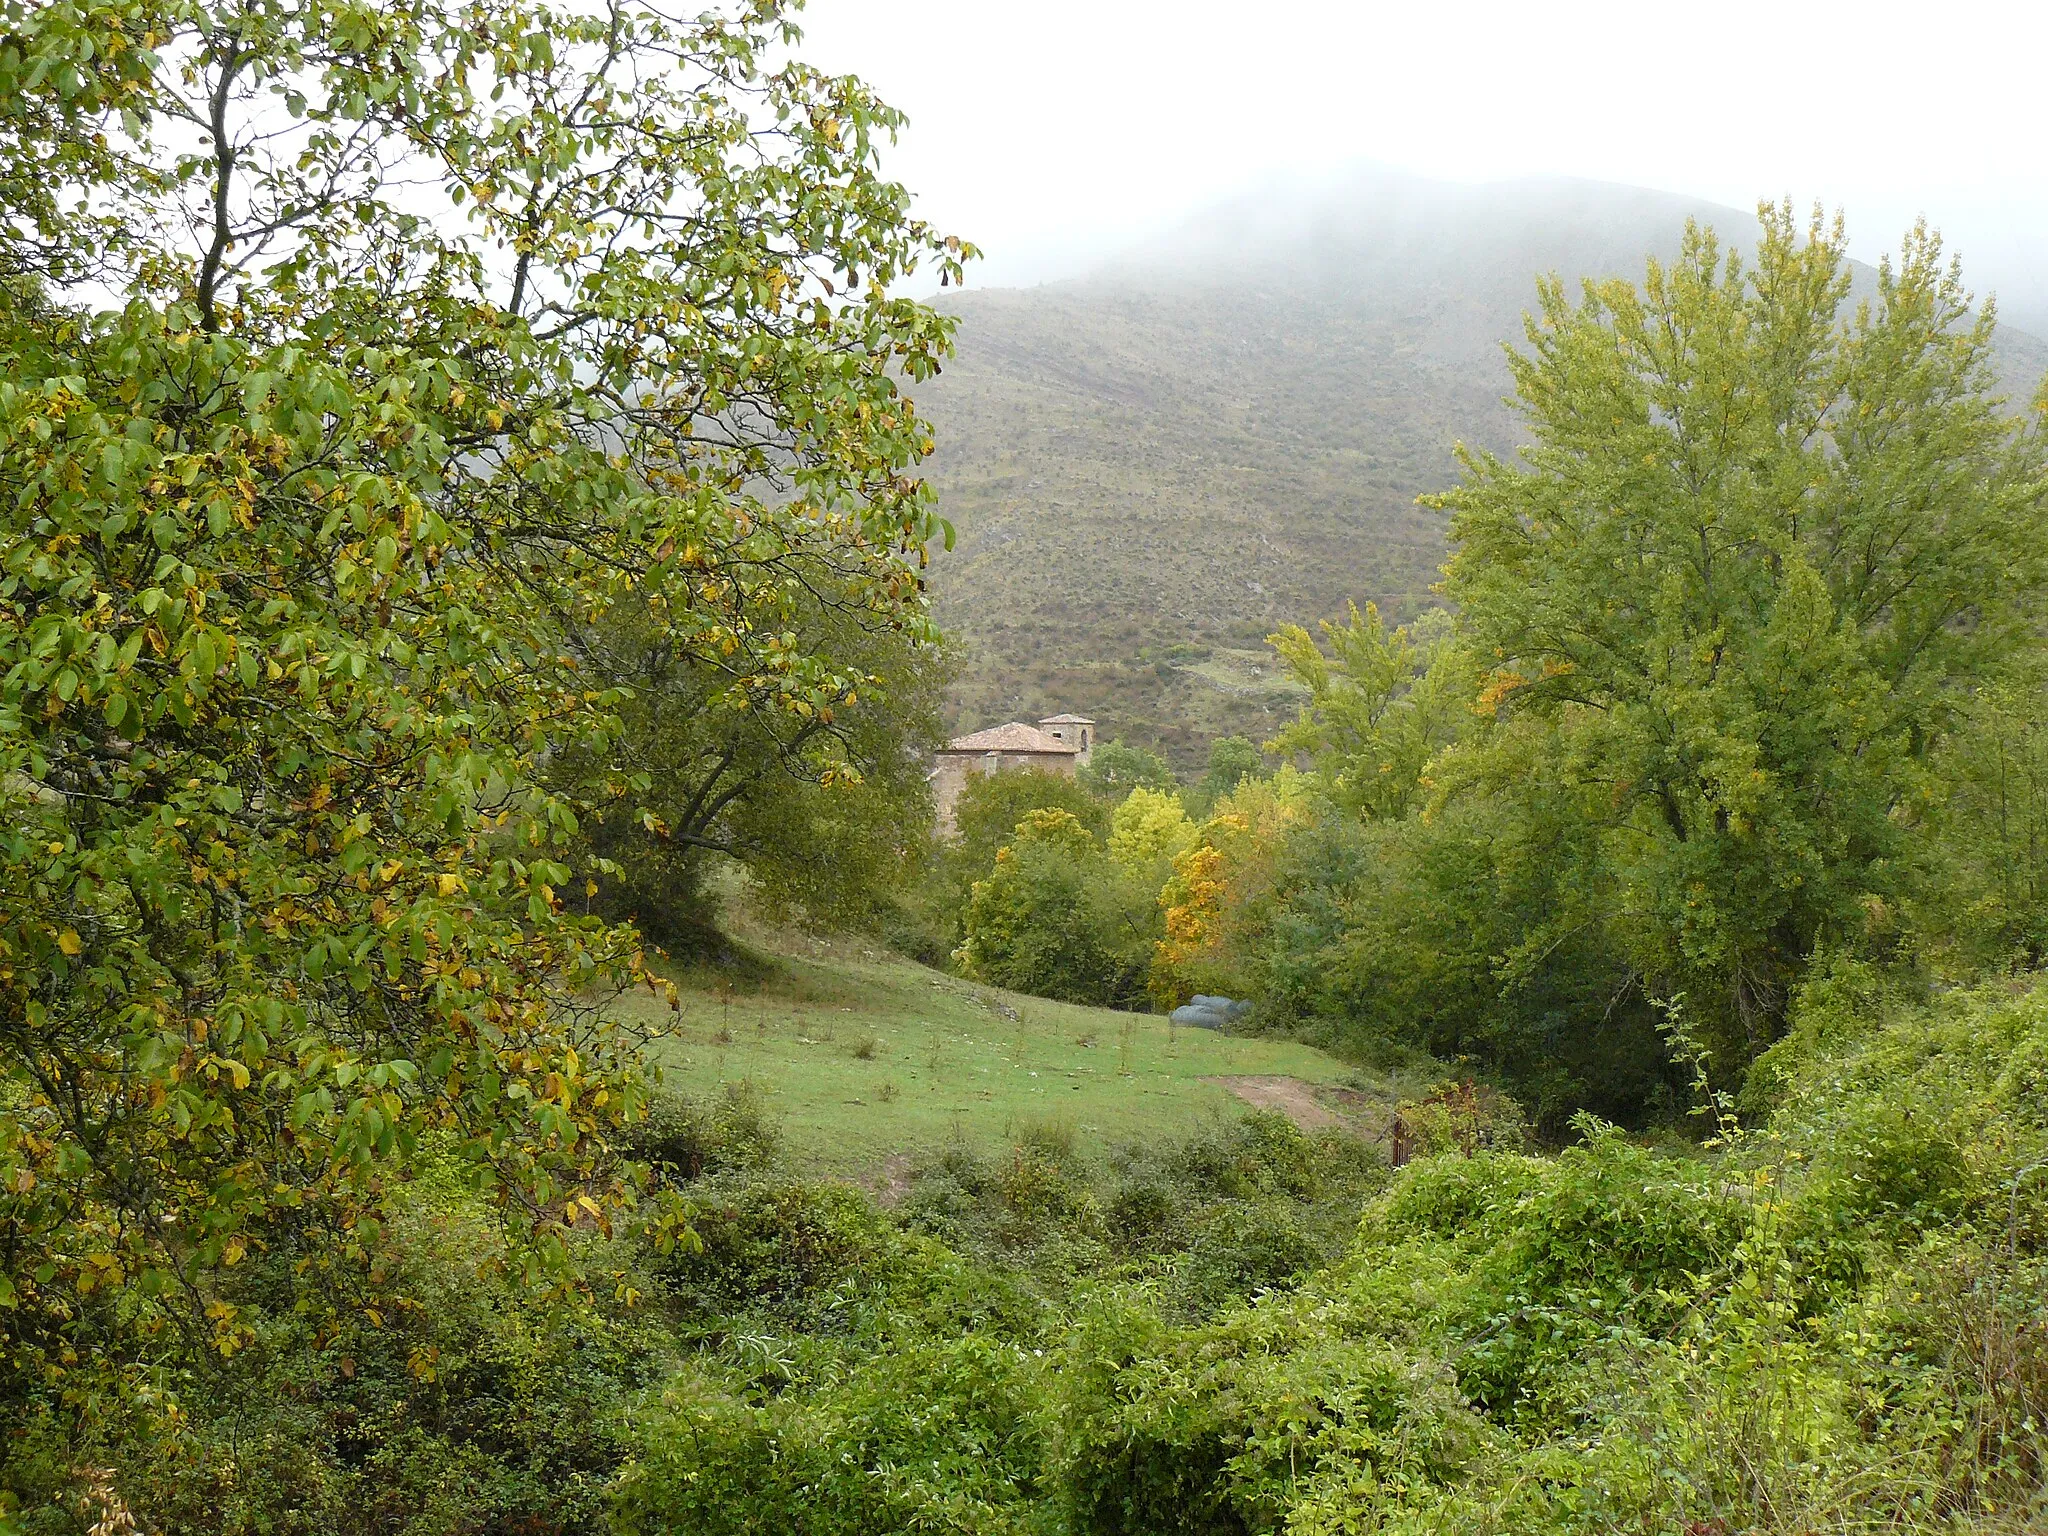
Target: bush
779,1246
1606,1232
1142,1214
1472,936
1265,1154
1463,1117
935,1436
1242,1249
1452,1196
436,1399
1056,917
1222,1429
1835,1323
684,1138
1032,1196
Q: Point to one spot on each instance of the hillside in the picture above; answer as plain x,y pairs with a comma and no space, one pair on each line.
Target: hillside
1151,468
864,1061
1832,1324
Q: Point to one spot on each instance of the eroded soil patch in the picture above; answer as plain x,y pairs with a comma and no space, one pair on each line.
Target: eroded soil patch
1290,1095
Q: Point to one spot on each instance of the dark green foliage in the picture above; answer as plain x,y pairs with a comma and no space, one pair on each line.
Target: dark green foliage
1984,894
1057,917
1474,934
1217,1431
1032,1197
828,811
778,1245
936,1435
1113,770
1232,760
1029,927
437,1399
684,1139
1264,1155
1836,1323
1213,1219
993,803
1241,1249
930,924
916,1391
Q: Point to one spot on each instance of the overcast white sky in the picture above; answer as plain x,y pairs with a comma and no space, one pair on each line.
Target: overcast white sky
1053,131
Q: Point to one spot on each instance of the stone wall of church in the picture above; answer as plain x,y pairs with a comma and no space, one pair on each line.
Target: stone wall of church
950,772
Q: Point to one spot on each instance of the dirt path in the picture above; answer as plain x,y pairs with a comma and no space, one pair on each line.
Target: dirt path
1290,1095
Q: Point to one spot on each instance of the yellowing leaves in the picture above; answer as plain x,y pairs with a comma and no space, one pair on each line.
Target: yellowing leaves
298,779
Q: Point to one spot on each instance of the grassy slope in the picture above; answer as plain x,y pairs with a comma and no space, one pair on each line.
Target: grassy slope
949,1059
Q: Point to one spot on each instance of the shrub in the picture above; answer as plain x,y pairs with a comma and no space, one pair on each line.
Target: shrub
1242,1249
1450,1196
1266,1154
935,1436
684,1138
1141,1214
1058,918
1463,1117
1607,1232
1219,1430
440,1398
779,1245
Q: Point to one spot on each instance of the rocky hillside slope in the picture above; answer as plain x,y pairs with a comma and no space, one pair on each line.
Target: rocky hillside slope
1226,430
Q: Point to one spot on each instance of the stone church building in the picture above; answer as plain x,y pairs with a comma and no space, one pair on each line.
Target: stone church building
1058,744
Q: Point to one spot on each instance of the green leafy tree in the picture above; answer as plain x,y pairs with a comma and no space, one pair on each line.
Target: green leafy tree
1381,705
352,358
828,809
1057,917
1149,830
992,804
1484,933
1984,899
1113,770
1232,760
930,924
1759,542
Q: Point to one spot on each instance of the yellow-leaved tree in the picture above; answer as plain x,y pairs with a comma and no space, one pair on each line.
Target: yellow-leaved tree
353,359
1219,896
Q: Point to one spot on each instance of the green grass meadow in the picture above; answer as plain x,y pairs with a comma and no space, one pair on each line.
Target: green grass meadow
860,1056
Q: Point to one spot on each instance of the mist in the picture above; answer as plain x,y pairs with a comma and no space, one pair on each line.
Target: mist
1060,135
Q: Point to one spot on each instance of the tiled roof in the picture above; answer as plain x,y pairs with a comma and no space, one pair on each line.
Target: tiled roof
1014,737
1066,720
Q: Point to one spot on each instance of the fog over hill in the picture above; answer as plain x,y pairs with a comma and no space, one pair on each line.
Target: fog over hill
1226,429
